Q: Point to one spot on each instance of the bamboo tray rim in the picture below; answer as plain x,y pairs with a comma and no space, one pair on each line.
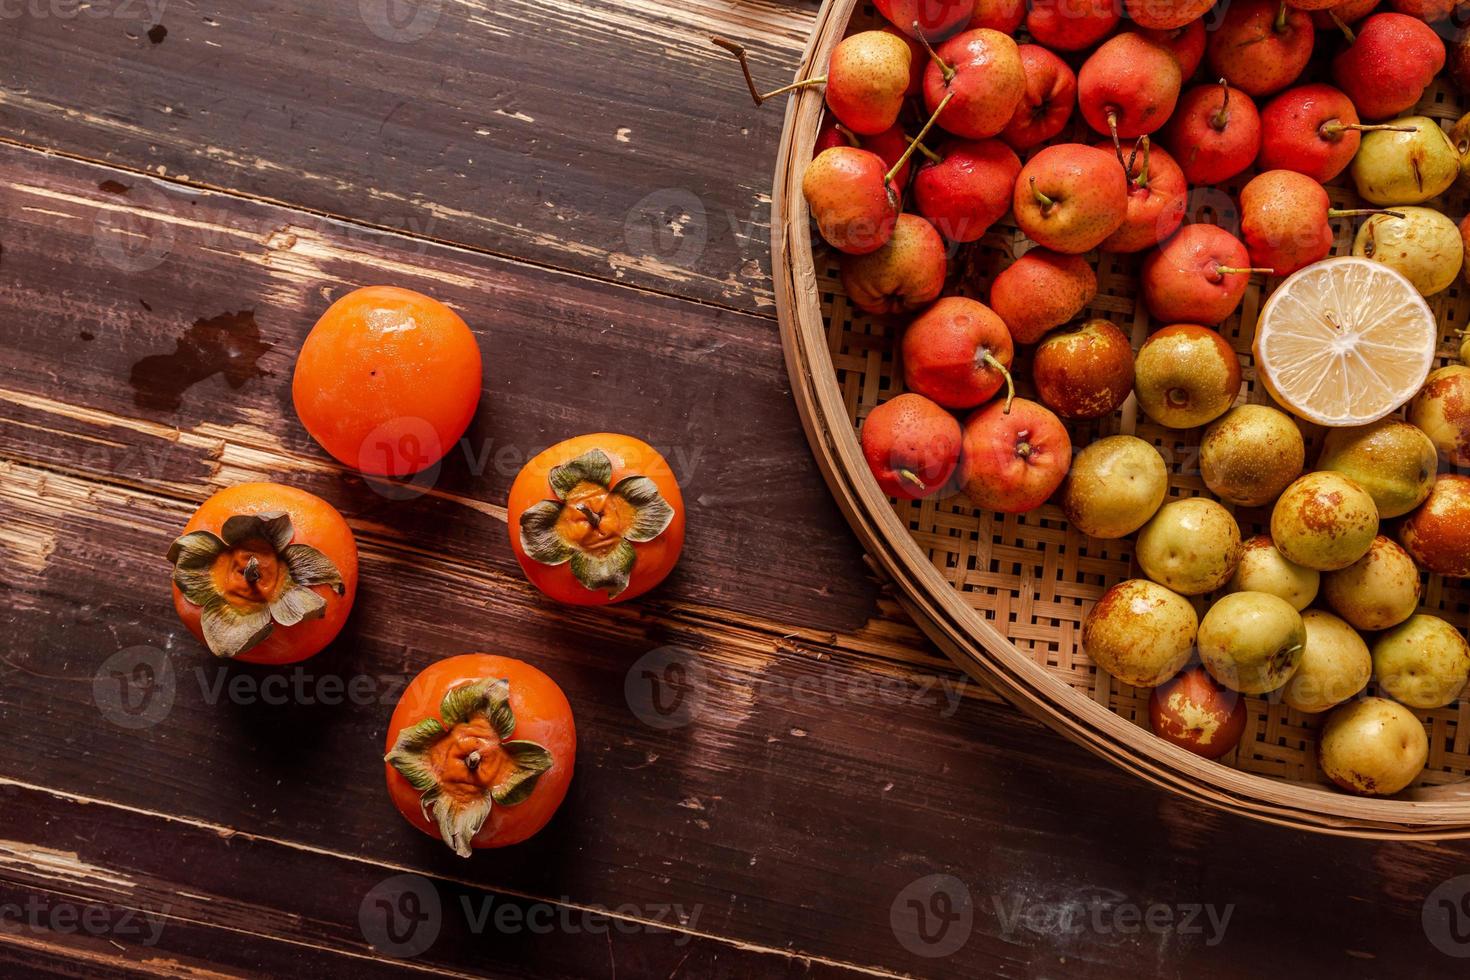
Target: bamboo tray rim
950,622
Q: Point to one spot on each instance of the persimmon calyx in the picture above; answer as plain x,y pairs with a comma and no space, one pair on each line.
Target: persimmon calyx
464,762
593,524
250,578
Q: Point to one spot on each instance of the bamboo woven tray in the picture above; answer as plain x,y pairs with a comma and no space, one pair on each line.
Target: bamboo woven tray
1005,596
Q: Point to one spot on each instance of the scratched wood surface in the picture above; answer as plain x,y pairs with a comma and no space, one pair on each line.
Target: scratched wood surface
184,197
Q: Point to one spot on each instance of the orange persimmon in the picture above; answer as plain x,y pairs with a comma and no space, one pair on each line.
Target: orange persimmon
264,573
480,751
388,380
596,519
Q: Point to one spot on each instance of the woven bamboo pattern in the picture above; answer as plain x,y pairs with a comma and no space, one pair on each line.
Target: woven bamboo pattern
1032,577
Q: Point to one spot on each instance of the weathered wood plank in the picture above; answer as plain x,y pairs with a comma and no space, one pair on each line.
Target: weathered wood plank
212,903
605,137
806,793
103,294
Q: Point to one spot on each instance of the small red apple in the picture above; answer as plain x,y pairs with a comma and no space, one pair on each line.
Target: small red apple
1196,713
911,445
958,353
968,189
1012,461
905,274
1051,89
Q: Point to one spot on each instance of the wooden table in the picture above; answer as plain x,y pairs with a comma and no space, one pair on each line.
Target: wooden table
778,776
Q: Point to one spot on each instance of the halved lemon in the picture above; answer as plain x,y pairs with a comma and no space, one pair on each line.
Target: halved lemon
1344,341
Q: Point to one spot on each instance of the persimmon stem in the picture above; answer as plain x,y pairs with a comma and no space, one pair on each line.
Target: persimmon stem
912,477
738,50
991,359
909,151
1222,118
945,70
472,761
252,571
593,518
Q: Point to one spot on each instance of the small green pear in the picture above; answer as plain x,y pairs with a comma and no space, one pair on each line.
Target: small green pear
1262,568
1251,641
1405,167
1424,245
1395,462
1373,746
1423,662
1335,664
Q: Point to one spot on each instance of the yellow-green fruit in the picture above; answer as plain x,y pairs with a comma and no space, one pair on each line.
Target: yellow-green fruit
1264,569
1442,410
1460,136
1424,662
1465,345
1191,546
1114,487
1377,591
1405,167
1391,459
1373,746
1424,245
1335,664
1140,632
1324,521
1251,641
1249,455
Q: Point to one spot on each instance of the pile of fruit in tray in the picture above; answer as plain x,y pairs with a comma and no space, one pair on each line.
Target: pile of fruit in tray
1175,96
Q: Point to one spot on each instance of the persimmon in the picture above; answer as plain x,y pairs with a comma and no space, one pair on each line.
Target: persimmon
387,381
596,519
264,573
480,751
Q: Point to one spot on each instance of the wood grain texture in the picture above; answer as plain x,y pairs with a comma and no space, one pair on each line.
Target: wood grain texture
520,127
822,774
827,764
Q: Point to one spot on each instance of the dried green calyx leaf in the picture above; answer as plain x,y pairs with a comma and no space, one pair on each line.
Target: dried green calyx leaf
249,579
593,524
464,762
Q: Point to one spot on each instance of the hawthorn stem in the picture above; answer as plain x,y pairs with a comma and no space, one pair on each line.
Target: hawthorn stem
1113,128
912,477
1041,198
991,359
1221,119
1355,212
1347,31
944,69
849,135
1142,180
1227,270
738,50
909,151
1280,26
928,153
